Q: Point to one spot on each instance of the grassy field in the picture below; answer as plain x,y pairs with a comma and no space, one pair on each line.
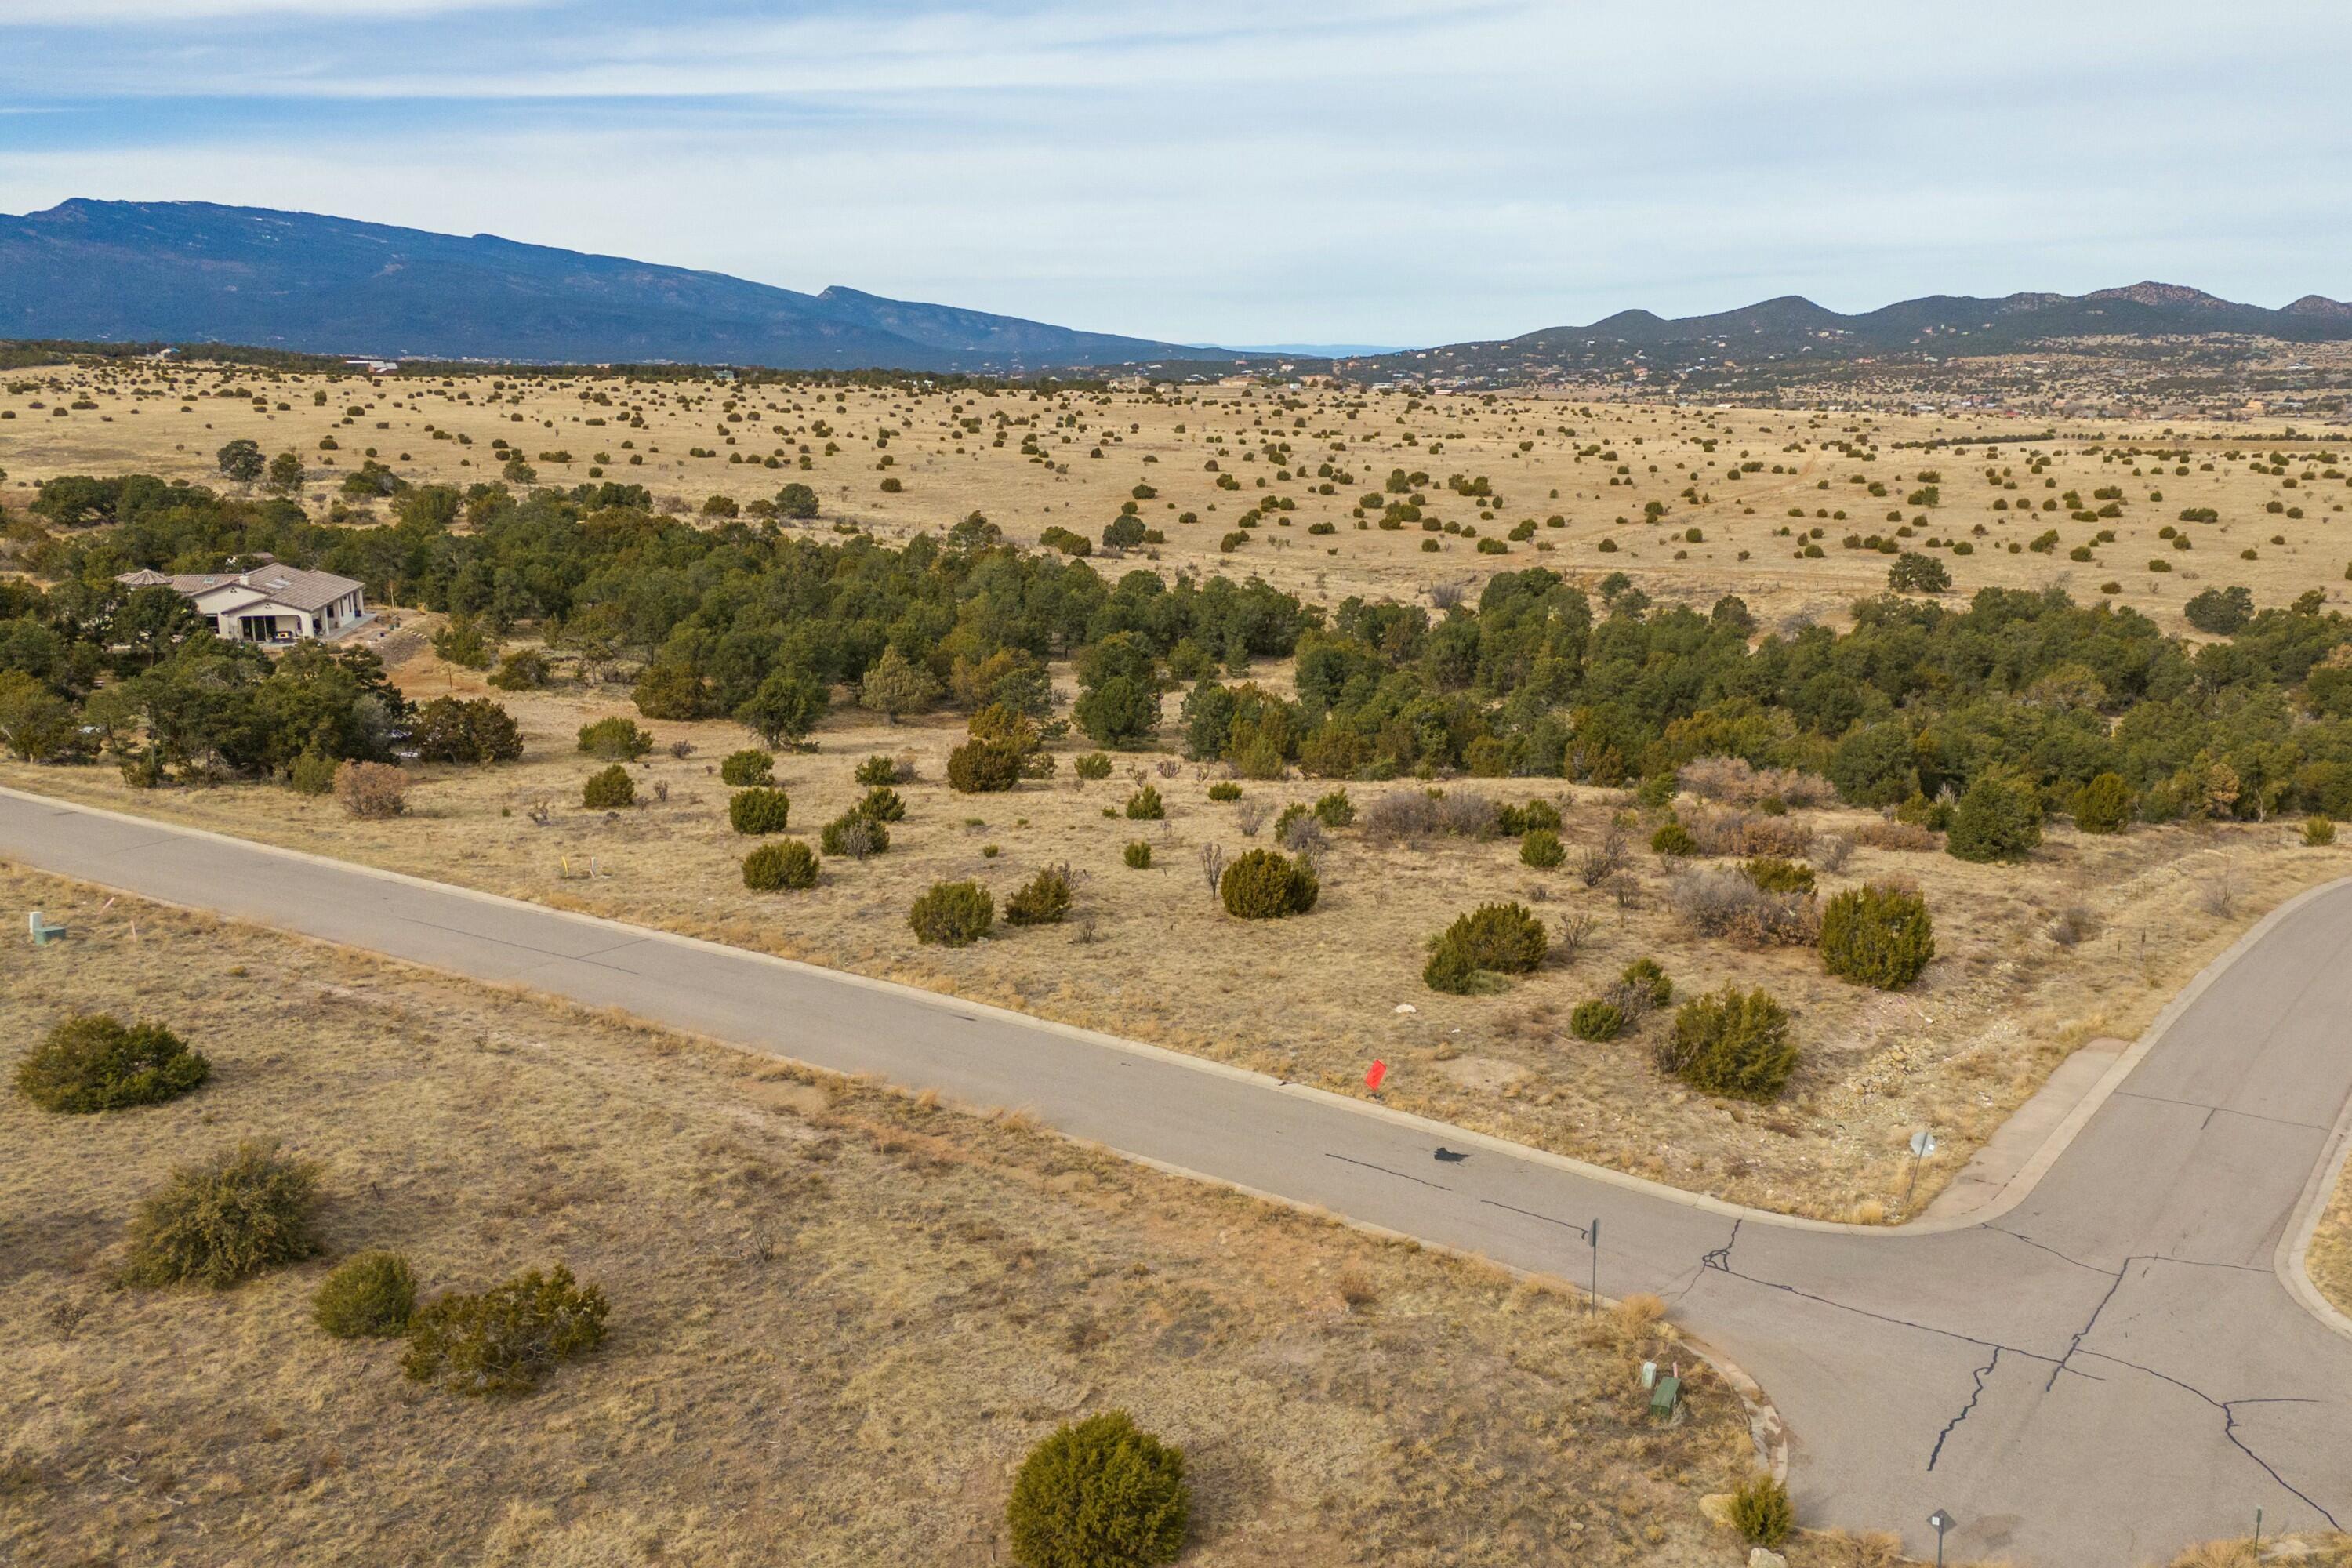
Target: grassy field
2087,941
2329,1260
839,1315
1032,461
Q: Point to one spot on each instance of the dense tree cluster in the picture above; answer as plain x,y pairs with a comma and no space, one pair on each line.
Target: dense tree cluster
1920,699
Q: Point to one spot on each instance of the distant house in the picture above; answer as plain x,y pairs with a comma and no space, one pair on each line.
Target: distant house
270,603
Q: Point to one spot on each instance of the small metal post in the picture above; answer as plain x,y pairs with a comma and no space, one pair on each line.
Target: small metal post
1942,1521
1594,1234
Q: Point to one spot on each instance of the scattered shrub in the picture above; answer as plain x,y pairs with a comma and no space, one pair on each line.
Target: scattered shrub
372,792
615,740
2319,831
1224,789
1094,765
1734,783
774,868
1773,876
1890,834
371,1296
226,1218
1469,814
505,1339
1646,980
2104,806
877,769
313,773
1334,810
758,810
525,670
1099,1494
747,768
96,1062
1042,899
1731,1045
447,730
1144,805
1997,819
609,789
1137,856
1878,935
854,834
1541,849
1449,968
462,641
883,804
1749,833
1400,816
984,767
1728,903
1760,1512
1265,884
1674,840
953,915
1534,816
1299,832
1596,1020
1501,937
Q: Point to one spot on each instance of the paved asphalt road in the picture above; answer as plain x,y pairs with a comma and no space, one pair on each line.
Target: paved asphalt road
2106,1370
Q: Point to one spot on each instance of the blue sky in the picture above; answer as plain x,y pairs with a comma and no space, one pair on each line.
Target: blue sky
1386,170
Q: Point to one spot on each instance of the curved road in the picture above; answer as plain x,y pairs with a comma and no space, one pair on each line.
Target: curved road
2105,1369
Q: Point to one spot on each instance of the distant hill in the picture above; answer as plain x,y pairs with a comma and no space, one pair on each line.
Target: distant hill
195,272
1944,325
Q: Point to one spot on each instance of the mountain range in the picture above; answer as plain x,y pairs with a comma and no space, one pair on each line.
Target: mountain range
1943,325
195,272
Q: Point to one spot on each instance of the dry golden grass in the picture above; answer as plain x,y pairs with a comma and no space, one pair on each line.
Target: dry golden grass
2322,1550
167,420
839,1315
2329,1259
1150,955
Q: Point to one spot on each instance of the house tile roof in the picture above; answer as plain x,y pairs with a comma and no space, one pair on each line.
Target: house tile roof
288,586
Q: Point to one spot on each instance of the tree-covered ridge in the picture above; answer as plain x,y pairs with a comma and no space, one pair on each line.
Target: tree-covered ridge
745,618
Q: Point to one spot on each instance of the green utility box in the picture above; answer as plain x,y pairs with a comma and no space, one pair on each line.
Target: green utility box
1665,1396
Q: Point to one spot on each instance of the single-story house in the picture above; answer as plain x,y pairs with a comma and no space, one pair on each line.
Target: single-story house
270,603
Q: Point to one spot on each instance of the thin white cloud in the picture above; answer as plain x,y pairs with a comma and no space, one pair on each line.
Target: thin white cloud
1418,171
167,13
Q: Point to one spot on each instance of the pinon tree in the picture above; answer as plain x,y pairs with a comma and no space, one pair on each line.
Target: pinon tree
240,461
896,686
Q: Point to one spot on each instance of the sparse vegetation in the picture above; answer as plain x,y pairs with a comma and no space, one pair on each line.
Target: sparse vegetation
222,1220
1264,884
95,1062
608,789
371,1296
1099,1493
1731,1044
758,810
747,768
1761,1513
953,915
505,1338
1044,900
790,865
1878,935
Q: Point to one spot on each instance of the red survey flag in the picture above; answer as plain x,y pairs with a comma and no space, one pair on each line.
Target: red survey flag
1372,1079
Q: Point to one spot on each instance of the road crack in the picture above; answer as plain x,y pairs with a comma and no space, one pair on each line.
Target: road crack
1982,1373
2228,1407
